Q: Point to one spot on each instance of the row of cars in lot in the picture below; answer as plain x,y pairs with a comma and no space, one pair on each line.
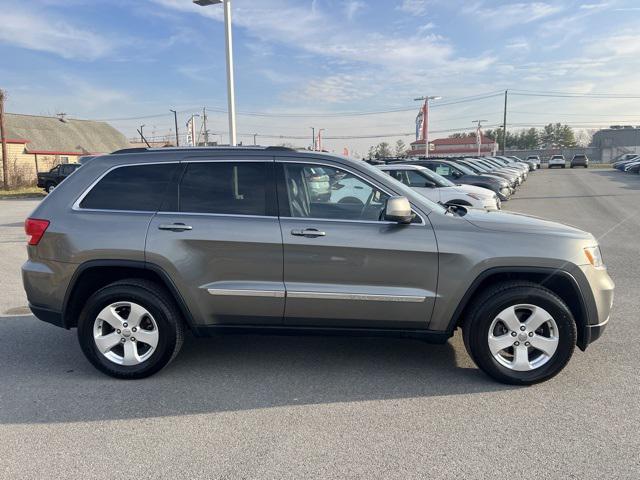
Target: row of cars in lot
479,182
629,163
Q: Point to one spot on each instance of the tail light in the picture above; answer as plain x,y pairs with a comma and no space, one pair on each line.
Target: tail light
35,228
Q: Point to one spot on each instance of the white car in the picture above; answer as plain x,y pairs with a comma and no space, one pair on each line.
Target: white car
438,189
557,161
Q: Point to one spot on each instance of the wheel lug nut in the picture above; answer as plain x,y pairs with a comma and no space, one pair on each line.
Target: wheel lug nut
123,340
134,329
531,334
513,334
125,324
118,331
523,328
133,339
516,343
526,344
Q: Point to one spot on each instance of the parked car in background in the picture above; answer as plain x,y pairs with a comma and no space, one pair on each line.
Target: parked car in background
579,160
621,164
440,190
633,166
51,179
535,159
461,174
480,167
557,161
532,165
141,247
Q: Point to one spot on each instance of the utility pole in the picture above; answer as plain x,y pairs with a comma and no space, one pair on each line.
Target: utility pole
255,139
479,133
313,138
3,140
204,126
425,120
175,119
142,139
504,123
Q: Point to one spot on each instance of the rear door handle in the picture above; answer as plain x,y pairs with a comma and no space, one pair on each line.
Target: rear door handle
175,227
308,232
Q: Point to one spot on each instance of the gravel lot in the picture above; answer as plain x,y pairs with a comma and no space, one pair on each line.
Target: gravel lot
290,407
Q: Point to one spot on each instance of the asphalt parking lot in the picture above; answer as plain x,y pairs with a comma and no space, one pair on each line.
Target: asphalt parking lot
314,407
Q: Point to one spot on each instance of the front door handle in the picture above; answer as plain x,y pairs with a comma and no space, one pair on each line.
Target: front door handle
175,227
308,232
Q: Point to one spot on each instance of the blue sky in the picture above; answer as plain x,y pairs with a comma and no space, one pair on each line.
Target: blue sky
119,59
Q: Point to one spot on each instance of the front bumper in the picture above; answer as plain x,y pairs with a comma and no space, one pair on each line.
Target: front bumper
602,288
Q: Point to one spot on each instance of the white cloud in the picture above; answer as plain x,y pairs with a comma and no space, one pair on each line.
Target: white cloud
414,7
511,14
39,31
352,7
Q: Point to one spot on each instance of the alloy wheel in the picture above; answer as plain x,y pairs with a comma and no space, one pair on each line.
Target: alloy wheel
125,333
523,337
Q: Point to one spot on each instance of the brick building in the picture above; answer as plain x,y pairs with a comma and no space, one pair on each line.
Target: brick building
454,147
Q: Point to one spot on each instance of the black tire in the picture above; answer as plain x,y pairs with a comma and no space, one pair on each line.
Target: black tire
495,299
161,306
50,187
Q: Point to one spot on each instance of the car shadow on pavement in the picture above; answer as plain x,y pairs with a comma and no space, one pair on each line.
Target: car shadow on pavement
629,180
45,378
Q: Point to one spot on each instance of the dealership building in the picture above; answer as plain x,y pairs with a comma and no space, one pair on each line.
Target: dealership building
453,147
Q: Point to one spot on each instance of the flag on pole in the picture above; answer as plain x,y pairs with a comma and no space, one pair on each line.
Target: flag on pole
419,122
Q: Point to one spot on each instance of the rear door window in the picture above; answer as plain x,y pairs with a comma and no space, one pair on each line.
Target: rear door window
229,188
136,187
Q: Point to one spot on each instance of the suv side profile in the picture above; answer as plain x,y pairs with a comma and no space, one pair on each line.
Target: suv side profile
139,246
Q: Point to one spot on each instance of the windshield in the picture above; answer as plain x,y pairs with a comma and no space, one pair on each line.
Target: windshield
477,166
463,168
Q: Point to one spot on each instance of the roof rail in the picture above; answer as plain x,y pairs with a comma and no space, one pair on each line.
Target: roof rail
280,148
130,150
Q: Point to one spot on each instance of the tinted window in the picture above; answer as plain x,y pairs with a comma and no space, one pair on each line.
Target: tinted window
139,187
331,193
234,188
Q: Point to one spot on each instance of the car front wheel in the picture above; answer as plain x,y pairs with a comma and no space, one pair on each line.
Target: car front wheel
520,333
130,329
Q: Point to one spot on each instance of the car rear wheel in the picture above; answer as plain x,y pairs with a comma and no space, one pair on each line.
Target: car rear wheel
50,187
520,333
130,329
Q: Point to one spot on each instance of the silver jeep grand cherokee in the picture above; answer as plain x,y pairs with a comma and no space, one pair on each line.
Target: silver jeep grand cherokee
141,245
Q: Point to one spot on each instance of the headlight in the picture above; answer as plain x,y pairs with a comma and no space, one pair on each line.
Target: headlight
594,256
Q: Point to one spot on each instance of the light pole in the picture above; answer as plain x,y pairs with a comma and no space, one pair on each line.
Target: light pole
425,120
313,138
229,44
175,119
479,133
141,135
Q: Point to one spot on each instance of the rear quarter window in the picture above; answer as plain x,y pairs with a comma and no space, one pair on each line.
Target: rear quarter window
137,187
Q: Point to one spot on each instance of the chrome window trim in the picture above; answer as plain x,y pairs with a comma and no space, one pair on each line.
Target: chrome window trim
76,205
367,181
239,215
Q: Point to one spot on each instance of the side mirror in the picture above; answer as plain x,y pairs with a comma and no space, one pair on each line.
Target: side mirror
398,209
456,174
429,184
